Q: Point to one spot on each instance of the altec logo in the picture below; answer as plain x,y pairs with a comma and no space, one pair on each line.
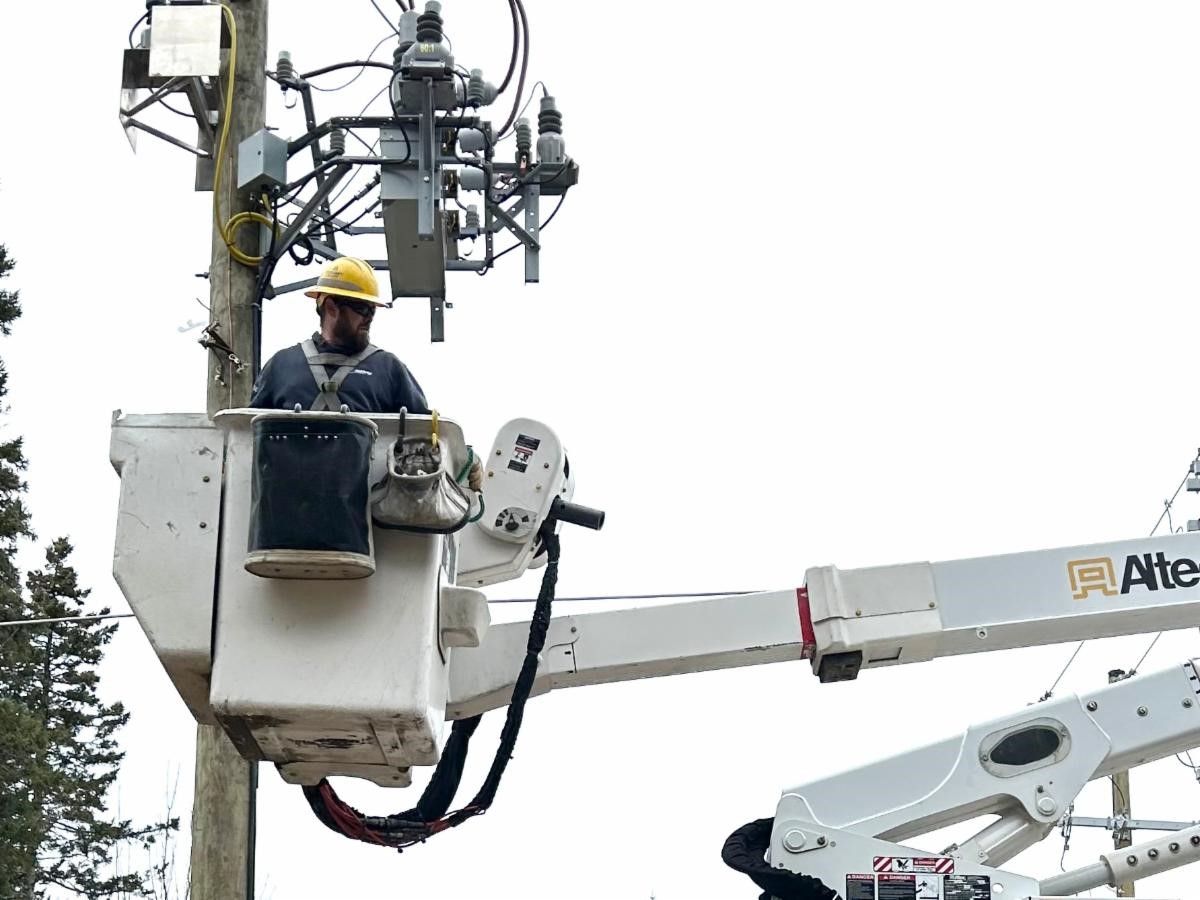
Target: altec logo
1148,570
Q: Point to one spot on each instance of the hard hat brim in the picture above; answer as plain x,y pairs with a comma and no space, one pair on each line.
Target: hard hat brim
317,293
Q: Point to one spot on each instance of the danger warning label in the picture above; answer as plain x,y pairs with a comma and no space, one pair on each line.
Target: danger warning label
897,887
942,865
917,886
860,887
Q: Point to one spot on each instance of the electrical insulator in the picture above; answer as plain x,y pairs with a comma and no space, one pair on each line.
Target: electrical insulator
407,35
284,70
337,143
471,140
524,140
472,179
479,92
429,24
550,146
471,220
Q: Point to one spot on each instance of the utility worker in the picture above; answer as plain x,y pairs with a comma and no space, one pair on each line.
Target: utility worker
339,366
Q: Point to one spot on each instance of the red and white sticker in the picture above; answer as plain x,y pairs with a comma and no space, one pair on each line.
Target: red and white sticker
940,865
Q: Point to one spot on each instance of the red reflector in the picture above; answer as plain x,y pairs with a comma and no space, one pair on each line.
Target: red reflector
806,627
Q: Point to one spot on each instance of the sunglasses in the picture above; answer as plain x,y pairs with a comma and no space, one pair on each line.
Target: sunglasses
362,307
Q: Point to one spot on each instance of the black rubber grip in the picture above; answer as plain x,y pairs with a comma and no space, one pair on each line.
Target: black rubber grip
578,515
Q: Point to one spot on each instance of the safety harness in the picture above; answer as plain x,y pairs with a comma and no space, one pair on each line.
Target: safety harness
327,387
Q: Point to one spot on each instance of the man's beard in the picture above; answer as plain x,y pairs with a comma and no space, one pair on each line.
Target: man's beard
350,337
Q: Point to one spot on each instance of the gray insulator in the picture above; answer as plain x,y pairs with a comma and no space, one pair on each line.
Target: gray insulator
549,118
471,140
472,217
407,35
337,142
551,148
284,69
479,92
472,179
429,24
524,138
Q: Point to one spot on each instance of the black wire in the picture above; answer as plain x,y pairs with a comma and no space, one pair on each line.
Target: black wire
516,41
178,112
370,56
144,17
385,18
545,93
524,68
363,63
549,219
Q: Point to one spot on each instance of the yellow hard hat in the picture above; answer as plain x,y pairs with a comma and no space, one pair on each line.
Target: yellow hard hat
347,276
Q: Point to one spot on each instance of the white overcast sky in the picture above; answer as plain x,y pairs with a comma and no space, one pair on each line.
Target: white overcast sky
850,283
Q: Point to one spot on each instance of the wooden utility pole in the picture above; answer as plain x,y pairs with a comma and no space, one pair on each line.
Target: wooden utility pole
1122,837
222,863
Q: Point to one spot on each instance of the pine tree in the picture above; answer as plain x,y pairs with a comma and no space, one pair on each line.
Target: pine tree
58,748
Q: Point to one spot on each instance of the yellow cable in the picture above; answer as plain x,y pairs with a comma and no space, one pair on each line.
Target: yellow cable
228,229
434,427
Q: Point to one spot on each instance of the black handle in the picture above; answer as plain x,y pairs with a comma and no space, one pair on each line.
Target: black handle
575,514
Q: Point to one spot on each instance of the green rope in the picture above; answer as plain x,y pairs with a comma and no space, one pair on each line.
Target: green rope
466,469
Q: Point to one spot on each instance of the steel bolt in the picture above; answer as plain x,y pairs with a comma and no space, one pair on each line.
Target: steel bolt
545,465
490,474
821,841
1092,706
207,479
858,612
1188,704
932,605
1152,853
1131,859
203,524
1047,807
1196,840
426,179
1173,847
1142,711
497,452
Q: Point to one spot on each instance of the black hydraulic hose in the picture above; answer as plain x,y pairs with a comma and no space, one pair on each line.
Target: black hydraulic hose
745,850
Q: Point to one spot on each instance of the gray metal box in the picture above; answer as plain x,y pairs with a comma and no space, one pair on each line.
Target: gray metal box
262,161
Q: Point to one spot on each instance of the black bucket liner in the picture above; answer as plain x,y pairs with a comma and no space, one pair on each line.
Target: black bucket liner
310,485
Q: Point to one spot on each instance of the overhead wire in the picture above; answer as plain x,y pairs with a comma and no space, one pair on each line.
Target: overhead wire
579,599
1167,504
524,68
385,18
516,48
545,92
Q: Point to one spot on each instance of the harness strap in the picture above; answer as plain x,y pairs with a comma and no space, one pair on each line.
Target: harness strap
327,386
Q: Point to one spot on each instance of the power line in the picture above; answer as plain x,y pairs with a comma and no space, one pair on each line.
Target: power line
593,597
1167,504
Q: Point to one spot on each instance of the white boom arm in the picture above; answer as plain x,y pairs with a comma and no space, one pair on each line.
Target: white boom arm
838,834
844,620
1026,767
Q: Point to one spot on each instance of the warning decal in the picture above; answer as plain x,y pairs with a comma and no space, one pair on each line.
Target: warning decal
897,887
942,865
968,887
860,887
929,887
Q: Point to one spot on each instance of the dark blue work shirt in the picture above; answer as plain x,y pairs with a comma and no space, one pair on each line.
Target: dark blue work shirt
379,384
